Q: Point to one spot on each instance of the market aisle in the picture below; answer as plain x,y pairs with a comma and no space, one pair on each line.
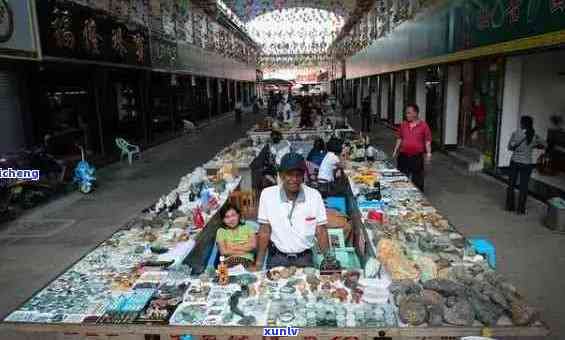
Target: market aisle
528,254
81,222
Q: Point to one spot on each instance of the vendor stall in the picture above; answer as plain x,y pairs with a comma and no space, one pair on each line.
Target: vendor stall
261,134
396,269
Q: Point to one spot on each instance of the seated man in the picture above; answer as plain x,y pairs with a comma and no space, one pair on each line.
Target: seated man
279,146
277,150
291,216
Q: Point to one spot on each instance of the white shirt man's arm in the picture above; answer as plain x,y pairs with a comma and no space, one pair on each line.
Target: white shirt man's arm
264,233
321,222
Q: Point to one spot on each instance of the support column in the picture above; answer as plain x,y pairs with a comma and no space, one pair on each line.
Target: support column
229,94
398,98
513,74
172,106
373,92
467,93
219,96
234,94
209,98
452,105
359,93
385,90
421,92
99,76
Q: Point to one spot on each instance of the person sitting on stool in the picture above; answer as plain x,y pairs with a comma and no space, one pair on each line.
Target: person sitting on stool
291,215
331,166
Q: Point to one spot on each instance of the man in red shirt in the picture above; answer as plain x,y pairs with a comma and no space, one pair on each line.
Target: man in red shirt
413,146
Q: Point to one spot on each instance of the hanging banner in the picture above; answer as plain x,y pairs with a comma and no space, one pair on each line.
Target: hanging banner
69,30
18,35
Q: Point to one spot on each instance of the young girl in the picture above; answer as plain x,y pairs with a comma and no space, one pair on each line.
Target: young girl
236,240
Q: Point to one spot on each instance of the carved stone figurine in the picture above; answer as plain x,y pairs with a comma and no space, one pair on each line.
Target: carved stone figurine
223,274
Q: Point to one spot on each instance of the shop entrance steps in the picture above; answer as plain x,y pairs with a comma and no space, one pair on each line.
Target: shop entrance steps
468,159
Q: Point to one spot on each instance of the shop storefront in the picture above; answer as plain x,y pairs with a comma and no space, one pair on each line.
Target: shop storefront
214,96
110,99
534,86
63,114
18,50
163,108
481,106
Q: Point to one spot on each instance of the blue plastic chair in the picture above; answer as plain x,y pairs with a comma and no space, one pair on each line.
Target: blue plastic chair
337,203
484,247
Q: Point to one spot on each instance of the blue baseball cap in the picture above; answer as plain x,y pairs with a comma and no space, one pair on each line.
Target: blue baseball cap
292,161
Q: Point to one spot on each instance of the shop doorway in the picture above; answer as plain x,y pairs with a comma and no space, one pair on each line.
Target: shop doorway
201,99
162,107
481,107
214,96
224,95
128,111
410,88
63,112
435,93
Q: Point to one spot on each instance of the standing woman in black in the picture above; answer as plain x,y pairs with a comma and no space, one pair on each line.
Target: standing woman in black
522,143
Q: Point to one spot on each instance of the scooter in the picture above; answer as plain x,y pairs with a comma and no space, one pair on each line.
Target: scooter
84,174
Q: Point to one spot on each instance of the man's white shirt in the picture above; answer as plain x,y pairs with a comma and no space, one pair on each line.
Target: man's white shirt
293,224
328,166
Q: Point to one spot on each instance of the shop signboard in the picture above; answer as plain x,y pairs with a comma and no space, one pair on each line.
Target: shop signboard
486,22
18,35
455,26
196,60
425,36
163,52
70,30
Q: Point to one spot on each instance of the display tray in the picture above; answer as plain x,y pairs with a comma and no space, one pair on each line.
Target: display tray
414,242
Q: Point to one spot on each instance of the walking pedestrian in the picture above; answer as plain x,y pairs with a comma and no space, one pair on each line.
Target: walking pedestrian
256,107
522,143
238,111
366,114
413,146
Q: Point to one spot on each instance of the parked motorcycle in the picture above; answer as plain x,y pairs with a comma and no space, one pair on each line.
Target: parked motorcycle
84,174
18,194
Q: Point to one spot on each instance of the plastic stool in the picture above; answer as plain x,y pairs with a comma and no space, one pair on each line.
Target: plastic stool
337,203
186,337
484,247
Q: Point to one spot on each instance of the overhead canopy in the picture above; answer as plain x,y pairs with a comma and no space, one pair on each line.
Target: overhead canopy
294,33
247,10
